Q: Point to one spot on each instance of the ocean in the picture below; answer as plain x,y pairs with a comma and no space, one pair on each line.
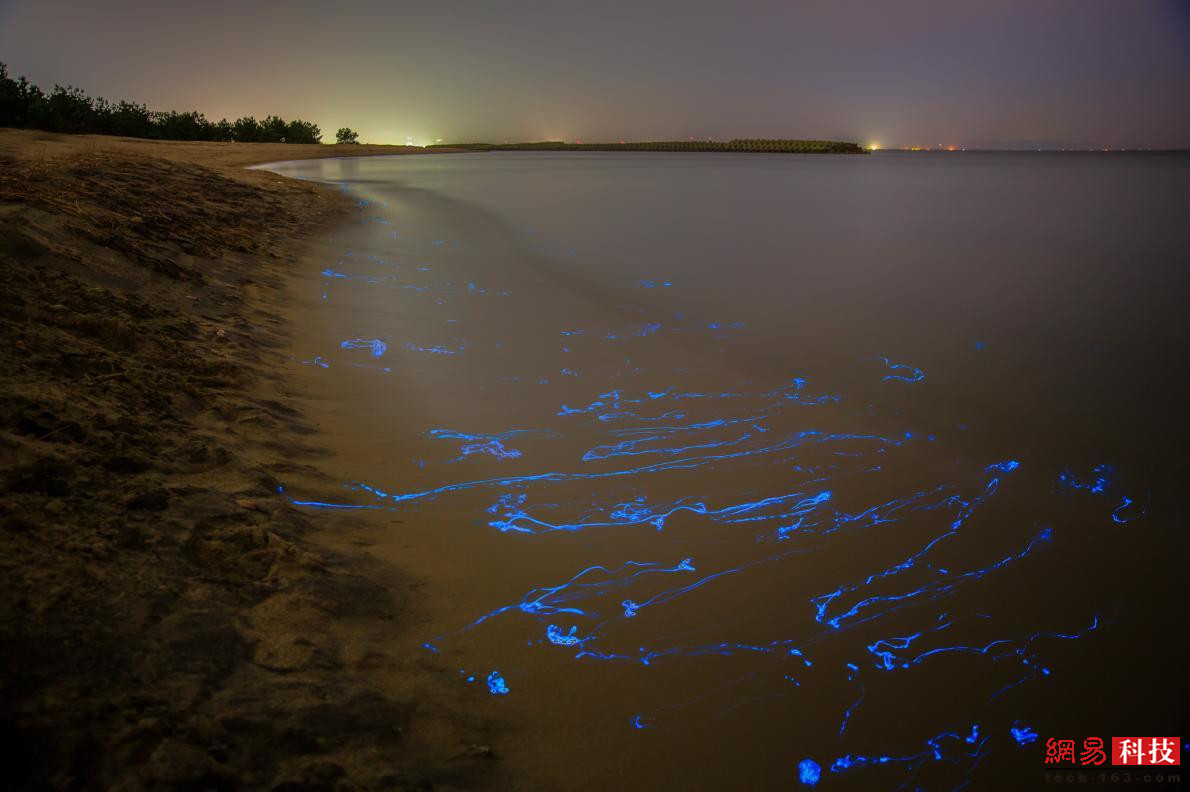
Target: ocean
730,471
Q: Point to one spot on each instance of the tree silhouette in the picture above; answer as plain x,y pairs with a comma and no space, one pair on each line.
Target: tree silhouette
67,109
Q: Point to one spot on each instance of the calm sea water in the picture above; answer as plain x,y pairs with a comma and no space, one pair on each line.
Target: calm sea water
760,472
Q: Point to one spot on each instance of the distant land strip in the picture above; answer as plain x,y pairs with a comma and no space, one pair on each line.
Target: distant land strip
744,145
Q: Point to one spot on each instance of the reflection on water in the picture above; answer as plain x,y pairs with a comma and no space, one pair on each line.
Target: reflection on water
752,472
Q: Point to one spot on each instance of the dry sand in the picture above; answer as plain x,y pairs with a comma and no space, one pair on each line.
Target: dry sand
168,620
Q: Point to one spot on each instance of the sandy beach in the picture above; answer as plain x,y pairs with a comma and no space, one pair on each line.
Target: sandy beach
399,472
542,397
170,621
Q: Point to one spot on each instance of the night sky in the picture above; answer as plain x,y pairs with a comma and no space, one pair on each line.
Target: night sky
1003,73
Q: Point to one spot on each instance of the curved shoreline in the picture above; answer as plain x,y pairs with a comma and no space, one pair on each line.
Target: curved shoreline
169,619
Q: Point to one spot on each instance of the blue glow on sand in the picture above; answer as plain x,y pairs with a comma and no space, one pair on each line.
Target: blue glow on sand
434,349
484,444
377,346
1100,478
951,747
496,684
325,505
1124,513
943,585
789,443
902,371
554,635
1024,735
809,772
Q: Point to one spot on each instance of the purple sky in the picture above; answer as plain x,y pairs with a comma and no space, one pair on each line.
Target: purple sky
910,72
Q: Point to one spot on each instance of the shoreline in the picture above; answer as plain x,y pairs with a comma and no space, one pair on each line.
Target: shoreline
735,146
169,618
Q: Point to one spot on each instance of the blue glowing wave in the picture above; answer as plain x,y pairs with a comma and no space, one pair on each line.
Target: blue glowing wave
798,498
792,442
376,345
902,372
959,748
493,445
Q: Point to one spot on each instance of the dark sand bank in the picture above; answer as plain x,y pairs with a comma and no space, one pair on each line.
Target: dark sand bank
167,620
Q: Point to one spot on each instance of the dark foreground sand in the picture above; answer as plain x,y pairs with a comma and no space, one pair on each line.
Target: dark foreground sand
166,619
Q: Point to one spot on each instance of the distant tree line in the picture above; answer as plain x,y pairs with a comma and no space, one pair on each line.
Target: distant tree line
739,145
69,110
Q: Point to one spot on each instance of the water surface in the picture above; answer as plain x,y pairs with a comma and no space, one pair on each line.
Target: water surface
727,470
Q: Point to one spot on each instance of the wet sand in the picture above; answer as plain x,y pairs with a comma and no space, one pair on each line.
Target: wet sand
168,619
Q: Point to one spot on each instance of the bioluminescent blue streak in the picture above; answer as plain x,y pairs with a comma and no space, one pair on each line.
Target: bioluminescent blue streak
1099,479
612,402
895,653
376,345
963,749
637,331
591,582
325,505
632,608
485,444
317,361
1102,480
1125,513
964,510
902,371
640,436
790,443
516,518
944,584
852,708
434,349
1024,735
